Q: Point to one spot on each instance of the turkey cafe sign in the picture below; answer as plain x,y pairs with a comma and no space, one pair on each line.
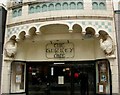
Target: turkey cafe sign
60,50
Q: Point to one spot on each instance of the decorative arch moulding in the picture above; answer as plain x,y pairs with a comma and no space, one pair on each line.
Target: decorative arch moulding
59,18
87,28
95,24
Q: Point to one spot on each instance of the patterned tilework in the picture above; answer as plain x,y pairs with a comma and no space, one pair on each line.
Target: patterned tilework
97,24
15,30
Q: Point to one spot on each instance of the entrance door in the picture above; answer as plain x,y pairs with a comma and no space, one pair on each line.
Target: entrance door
72,79
61,79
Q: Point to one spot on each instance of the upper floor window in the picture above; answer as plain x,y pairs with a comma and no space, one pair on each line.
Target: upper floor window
17,12
99,4
53,6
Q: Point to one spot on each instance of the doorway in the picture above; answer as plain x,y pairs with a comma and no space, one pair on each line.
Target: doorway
66,78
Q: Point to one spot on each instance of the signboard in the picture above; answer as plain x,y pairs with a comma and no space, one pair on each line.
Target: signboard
60,50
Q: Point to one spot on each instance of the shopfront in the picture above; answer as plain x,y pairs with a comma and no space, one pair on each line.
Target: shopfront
64,77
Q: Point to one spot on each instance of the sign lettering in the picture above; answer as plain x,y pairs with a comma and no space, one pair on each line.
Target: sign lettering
60,50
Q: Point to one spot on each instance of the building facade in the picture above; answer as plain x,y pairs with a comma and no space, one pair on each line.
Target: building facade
2,33
55,47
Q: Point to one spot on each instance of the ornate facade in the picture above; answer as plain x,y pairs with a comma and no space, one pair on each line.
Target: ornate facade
51,41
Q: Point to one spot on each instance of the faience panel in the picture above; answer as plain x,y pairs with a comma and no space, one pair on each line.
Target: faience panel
97,25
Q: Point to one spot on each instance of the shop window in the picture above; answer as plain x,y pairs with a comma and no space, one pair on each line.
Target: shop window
58,6
17,77
72,5
44,8
79,5
103,77
51,7
65,6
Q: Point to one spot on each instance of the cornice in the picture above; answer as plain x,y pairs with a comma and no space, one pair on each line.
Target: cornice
60,18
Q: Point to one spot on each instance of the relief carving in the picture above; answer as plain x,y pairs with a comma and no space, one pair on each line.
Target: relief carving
107,45
11,48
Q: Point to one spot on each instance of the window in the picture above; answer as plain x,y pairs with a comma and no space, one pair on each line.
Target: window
44,8
58,6
37,8
103,77
14,13
98,4
31,10
79,5
17,12
102,6
51,7
95,5
72,5
65,5
18,77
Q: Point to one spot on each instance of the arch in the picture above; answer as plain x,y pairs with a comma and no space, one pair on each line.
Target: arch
90,32
14,13
77,28
65,6
72,5
32,31
103,34
19,12
44,7
22,35
95,5
31,9
51,7
37,8
79,5
102,6
13,37
58,6
54,28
